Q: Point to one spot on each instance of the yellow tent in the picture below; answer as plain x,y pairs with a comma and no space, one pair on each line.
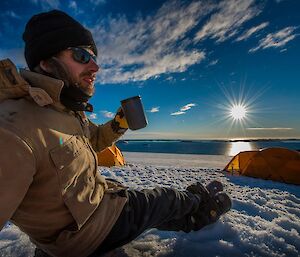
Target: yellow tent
110,156
277,164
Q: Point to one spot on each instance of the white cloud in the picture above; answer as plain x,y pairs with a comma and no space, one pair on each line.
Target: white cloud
97,2
93,116
150,46
11,14
269,128
225,23
108,114
213,62
73,5
187,107
177,113
170,79
154,109
183,109
252,31
277,39
46,4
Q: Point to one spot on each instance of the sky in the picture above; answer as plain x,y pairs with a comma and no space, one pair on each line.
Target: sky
204,69
263,221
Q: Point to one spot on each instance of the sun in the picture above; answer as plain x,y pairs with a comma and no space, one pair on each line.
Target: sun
238,112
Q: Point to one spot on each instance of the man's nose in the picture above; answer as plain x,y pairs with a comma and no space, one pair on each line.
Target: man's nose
93,66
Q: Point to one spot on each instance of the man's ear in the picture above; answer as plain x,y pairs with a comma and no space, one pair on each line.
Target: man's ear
45,66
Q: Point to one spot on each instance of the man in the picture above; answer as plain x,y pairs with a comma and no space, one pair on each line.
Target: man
49,184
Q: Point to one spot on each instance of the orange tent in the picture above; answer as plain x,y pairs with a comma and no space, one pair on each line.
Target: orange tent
277,164
110,156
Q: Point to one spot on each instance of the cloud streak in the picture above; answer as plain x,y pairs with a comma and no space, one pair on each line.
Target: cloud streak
227,20
93,116
213,62
97,2
275,40
177,113
11,14
73,5
183,109
47,4
154,109
187,107
269,129
107,114
148,47
252,31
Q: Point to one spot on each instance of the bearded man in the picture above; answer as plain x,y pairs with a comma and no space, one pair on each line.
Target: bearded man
49,183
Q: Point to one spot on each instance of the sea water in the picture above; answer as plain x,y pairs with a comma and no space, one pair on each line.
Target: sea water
211,147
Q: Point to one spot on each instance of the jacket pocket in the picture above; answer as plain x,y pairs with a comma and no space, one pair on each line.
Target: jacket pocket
64,154
81,188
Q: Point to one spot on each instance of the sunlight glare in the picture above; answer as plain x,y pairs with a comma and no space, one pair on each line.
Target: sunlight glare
238,112
236,147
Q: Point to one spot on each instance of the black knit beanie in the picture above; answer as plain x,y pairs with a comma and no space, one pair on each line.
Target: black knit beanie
48,33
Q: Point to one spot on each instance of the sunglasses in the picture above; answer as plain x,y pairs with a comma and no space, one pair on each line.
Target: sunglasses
81,55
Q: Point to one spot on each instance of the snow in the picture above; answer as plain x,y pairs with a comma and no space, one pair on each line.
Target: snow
264,220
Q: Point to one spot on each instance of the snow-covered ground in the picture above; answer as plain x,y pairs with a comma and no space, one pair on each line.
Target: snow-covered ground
264,220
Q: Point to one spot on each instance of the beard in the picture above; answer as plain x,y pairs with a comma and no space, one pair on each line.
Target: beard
60,71
90,89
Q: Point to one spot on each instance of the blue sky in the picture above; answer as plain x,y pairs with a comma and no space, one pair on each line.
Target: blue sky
190,61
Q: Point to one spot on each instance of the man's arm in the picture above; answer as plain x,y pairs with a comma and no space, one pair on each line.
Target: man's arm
17,168
103,136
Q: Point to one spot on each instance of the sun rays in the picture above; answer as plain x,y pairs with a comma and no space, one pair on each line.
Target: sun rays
238,108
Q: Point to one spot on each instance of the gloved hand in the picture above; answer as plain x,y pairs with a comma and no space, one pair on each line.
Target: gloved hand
119,123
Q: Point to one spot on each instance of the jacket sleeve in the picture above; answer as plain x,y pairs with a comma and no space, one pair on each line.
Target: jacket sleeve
17,168
102,136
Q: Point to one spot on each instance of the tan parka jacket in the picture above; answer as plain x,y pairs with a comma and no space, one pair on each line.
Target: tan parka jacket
49,183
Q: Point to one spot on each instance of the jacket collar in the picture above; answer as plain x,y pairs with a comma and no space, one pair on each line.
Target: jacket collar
52,86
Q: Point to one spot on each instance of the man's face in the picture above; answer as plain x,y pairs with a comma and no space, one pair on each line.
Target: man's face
82,74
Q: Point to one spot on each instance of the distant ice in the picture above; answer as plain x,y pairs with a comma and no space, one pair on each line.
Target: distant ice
178,160
264,220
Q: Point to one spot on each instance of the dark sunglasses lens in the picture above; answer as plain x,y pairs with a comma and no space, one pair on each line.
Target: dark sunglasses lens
94,57
81,55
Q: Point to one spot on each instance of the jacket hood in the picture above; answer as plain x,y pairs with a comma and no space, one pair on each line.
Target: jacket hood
42,89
